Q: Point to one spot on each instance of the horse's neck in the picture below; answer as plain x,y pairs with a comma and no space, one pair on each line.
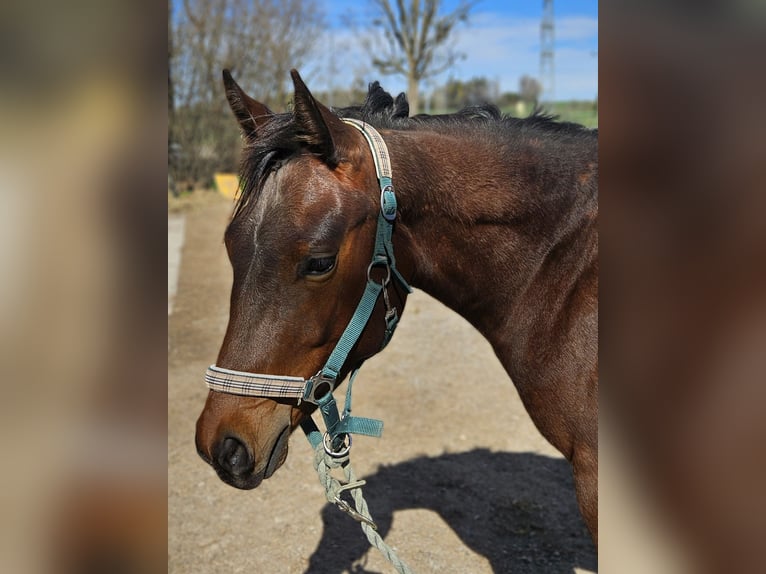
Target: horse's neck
502,237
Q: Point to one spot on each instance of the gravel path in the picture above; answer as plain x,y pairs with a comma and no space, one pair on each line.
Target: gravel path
175,243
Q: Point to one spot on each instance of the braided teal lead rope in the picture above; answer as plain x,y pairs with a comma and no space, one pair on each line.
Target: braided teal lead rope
324,464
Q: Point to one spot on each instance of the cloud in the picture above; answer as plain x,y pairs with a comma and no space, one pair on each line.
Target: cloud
495,46
576,28
505,49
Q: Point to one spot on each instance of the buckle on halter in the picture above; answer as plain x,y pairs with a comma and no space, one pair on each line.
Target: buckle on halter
388,201
317,387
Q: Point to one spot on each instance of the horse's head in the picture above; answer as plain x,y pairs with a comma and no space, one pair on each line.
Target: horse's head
300,243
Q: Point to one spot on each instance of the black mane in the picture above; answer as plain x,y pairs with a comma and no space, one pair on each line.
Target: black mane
281,138
381,110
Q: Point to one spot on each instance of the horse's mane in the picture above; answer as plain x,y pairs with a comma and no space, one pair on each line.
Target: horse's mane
381,110
281,137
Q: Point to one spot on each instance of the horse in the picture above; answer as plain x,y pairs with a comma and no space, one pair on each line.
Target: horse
495,216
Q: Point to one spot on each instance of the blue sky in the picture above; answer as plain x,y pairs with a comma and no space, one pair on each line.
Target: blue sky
501,42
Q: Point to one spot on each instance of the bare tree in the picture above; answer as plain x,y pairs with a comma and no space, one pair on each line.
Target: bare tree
416,40
259,41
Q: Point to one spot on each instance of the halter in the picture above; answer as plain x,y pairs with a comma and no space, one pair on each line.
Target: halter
318,389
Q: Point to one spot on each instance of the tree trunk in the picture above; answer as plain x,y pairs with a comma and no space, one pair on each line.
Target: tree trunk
413,94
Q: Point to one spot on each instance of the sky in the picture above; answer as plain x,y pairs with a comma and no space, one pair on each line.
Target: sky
501,42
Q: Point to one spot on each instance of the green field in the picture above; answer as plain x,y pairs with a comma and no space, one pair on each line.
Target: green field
581,112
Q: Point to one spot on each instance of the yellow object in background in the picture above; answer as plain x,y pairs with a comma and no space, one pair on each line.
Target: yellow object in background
227,184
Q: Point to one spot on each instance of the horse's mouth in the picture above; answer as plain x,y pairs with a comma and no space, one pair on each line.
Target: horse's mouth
278,453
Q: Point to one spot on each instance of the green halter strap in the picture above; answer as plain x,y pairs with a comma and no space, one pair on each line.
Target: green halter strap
383,257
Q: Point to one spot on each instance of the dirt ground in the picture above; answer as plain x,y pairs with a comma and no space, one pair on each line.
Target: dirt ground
461,480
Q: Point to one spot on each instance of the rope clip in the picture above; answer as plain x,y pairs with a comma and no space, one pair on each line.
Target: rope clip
348,509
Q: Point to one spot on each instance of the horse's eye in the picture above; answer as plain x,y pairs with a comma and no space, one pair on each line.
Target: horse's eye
319,265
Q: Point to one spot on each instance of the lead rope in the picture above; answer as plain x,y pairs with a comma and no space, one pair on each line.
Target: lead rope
329,456
324,464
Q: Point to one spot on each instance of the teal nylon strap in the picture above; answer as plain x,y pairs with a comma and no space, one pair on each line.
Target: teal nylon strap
383,255
384,250
329,410
338,426
353,331
311,430
356,425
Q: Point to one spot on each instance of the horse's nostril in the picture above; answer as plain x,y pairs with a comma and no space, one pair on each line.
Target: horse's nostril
234,458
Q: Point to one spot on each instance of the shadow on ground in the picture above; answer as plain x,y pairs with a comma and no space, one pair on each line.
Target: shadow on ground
516,509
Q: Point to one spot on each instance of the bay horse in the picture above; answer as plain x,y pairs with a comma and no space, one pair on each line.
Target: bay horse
496,217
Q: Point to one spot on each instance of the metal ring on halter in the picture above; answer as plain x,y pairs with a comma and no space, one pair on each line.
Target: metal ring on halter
328,446
374,263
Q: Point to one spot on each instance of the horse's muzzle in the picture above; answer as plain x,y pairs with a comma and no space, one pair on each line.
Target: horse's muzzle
235,464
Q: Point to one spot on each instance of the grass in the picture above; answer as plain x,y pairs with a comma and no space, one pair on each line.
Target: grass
580,112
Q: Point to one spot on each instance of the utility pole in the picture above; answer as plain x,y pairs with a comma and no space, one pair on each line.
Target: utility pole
332,71
547,74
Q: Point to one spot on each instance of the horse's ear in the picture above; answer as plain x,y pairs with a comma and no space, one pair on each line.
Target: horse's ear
250,114
320,129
